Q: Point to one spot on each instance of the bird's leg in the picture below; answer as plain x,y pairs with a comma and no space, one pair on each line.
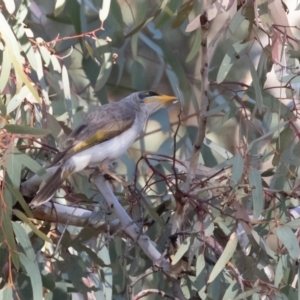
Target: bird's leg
93,171
105,170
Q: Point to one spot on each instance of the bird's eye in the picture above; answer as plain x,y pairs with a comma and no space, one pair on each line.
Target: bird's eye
143,95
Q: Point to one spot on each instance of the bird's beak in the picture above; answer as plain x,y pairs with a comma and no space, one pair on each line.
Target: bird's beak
161,98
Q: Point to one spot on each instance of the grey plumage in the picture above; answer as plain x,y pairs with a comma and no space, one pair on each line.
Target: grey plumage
105,126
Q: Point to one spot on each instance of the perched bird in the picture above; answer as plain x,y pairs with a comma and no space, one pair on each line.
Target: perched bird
104,135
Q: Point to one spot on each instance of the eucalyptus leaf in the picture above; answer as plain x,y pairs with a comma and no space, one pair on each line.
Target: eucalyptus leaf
289,240
184,247
18,129
224,258
35,276
257,192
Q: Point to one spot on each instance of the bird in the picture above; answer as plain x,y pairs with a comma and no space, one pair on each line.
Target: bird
103,136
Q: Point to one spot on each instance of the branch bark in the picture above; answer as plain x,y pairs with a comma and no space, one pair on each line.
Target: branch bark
203,106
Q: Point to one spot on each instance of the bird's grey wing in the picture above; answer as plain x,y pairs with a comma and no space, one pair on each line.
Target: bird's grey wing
103,124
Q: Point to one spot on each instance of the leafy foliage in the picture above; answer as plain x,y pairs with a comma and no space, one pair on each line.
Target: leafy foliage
231,232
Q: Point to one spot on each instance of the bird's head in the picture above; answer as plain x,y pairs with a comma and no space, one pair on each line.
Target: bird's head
149,101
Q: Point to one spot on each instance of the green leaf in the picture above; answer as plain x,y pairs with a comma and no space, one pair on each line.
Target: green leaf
153,213
19,71
138,78
6,292
45,54
289,240
22,217
104,10
17,99
30,163
41,77
237,170
103,54
59,7
184,247
5,70
247,293
280,269
171,58
10,6
208,226
231,291
257,89
20,129
10,238
260,241
200,276
14,167
271,131
76,270
93,256
183,13
196,46
34,275
235,23
294,224
24,241
18,196
67,91
264,14
283,142
232,55
146,21
264,65
21,34
273,104
224,258
257,193
298,281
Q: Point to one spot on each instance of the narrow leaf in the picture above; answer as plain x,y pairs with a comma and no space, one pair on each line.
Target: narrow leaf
10,238
153,213
5,70
10,6
196,46
24,241
17,99
17,195
248,293
237,169
19,71
257,193
289,240
67,91
20,129
106,63
224,258
59,7
184,247
35,276
22,217
104,10
257,88
229,59
276,128
280,269
14,167
283,142
183,13
201,276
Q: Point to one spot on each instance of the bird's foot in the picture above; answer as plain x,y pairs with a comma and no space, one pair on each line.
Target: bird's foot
94,171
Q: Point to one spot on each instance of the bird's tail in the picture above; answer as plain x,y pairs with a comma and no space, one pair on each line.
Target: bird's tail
49,188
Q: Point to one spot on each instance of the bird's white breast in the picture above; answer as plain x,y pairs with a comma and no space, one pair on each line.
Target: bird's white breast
111,149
